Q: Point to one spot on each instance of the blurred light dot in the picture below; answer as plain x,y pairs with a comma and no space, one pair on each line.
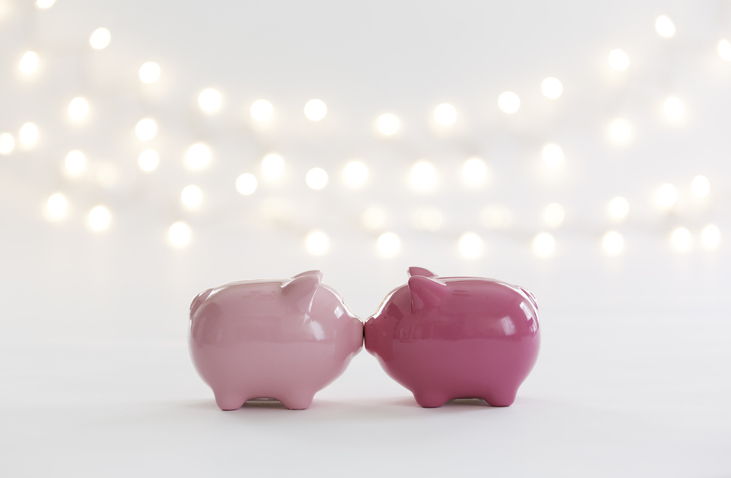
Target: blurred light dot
544,245
28,135
554,215
673,108
7,143
317,243
551,88
75,164
664,26
445,115
100,38
99,218
146,129
261,111
355,174
198,156
427,219
388,245
681,240
106,174
612,243
210,101
497,217
618,209
78,109
29,63
423,176
246,184
45,4
620,131
474,172
387,124
618,60
374,218
470,245
315,109
508,102
191,197
57,207
666,196
710,237
700,187
179,234
316,178
148,160
149,72
552,155
273,167
724,49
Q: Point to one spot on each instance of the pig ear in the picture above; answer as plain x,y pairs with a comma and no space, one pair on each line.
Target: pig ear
309,273
420,271
301,289
426,292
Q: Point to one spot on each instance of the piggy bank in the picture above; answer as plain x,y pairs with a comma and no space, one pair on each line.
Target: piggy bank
272,339
456,337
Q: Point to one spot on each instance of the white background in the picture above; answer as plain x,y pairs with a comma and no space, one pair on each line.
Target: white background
633,375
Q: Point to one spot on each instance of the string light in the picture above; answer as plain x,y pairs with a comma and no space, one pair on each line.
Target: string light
551,88
100,38
673,109
28,135
179,234
612,243
210,101
423,177
355,174
552,155
388,245
508,102
29,63
198,156
664,26
57,207
272,167
317,243
7,143
553,215
474,172
148,160
387,124
666,196
75,164
146,129
78,109
315,110
149,72
681,240
445,115
544,245
711,237
618,60
724,49
618,209
700,187
261,111
99,218
316,179
374,218
470,246
191,197
620,131
427,219
45,4
496,216
246,184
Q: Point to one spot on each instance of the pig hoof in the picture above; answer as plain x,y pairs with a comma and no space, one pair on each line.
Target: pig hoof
299,401
502,399
229,401
430,399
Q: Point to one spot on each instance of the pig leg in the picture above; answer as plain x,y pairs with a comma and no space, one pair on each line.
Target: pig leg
229,400
298,400
500,398
430,398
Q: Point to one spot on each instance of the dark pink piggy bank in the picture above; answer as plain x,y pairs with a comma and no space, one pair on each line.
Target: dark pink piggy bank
456,337
275,339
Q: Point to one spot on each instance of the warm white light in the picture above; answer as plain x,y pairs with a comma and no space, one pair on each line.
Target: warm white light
700,187
664,26
317,243
29,64
316,178
315,110
374,218
497,217
612,243
355,174
28,135
149,72
666,196
198,156
552,155
99,218
100,38
554,215
191,197
75,164
474,172
388,245
470,245
148,160
445,115
179,234
427,219
210,101
78,109
57,207
681,240
45,4
508,102
618,209
7,143
387,124
544,245
423,176
710,237
552,88
620,131
673,108
106,174
618,60
146,129
272,167
261,111
246,184
724,49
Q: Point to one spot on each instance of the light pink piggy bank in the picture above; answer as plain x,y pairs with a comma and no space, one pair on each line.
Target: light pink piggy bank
456,337
275,339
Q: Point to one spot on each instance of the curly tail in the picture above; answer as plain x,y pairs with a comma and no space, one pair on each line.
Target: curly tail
198,300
